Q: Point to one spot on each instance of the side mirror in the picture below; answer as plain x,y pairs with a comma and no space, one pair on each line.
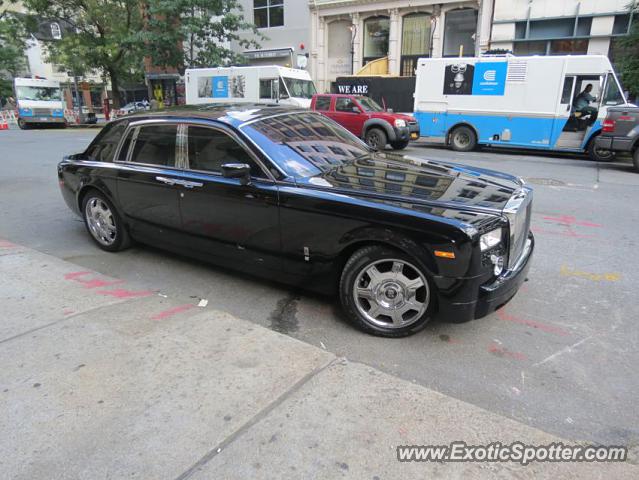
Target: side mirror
237,170
389,110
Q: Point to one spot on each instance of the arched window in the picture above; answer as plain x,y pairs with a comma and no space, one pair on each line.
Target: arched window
56,32
375,38
459,32
416,41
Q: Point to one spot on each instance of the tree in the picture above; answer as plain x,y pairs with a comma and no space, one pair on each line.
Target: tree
13,37
193,33
629,56
102,35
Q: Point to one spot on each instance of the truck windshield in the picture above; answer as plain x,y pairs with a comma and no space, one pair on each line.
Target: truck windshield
299,88
305,144
47,94
612,95
369,105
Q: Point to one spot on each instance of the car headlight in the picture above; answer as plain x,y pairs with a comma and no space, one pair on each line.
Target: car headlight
490,239
399,123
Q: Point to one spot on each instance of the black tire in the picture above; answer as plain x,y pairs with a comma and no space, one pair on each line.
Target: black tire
635,159
119,239
463,139
355,273
399,145
598,154
22,124
376,138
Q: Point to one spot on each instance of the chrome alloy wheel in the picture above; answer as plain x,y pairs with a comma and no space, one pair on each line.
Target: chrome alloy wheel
391,293
100,221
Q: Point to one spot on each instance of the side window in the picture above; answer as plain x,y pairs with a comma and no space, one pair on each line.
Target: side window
155,145
122,155
209,149
322,103
103,147
567,90
344,105
266,89
612,96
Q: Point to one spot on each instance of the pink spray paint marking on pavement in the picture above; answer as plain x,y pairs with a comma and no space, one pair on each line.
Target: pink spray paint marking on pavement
567,232
123,293
75,275
172,311
503,315
568,220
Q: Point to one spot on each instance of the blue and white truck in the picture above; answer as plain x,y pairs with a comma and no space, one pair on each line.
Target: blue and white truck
553,103
39,101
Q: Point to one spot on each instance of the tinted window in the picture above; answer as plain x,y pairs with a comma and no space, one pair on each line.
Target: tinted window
103,147
155,145
344,105
209,149
125,146
322,103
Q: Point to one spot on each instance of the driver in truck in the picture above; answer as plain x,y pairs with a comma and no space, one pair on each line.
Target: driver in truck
583,100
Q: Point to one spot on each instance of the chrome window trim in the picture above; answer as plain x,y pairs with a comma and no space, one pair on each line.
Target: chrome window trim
135,126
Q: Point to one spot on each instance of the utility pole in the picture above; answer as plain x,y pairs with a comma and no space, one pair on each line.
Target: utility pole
78,98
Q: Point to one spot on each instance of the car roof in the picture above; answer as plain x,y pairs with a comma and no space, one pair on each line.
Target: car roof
233,114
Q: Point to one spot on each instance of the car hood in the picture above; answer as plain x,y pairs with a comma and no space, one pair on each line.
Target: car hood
392,116
414,180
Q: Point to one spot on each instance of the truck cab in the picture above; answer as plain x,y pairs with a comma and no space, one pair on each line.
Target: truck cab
39,101
363,117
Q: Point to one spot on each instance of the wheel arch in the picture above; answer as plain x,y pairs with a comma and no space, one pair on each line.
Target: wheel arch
383,124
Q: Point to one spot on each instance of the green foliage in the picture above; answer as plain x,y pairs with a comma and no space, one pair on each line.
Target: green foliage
628,62
191,33
102,36
12,41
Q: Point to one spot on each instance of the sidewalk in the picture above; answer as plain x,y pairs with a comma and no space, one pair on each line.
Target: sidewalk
103,379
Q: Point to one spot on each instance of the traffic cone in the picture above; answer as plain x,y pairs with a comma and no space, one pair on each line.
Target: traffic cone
4,125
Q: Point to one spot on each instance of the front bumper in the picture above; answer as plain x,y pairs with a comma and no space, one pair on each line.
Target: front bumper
401,134
489,296
616,144
413,130
42,119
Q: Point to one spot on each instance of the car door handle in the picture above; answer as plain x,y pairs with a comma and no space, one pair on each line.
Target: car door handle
168,181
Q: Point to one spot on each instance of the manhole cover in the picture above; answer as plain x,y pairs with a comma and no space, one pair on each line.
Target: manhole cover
545,181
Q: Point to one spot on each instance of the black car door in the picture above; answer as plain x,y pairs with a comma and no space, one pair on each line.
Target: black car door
146,188
226,219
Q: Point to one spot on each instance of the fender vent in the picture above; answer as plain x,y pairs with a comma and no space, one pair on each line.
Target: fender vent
517,71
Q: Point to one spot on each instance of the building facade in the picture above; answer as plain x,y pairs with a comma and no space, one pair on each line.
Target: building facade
552,27
348,34
285,27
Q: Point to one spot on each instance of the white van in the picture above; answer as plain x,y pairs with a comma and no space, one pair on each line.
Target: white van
38,101
267,84
535,102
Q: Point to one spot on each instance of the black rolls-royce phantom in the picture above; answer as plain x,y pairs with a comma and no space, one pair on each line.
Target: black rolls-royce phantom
291,195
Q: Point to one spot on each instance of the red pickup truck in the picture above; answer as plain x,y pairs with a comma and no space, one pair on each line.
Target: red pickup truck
363,117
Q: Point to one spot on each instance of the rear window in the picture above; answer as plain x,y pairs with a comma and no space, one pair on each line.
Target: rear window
103,146
322,103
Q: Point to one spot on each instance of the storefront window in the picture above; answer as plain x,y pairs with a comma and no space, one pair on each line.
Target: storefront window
459,32
376,31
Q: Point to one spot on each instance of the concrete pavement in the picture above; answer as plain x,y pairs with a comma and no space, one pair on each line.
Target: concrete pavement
104,378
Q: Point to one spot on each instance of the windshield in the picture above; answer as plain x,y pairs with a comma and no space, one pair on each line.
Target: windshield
369,105
47,94
305,144
613,95
299,88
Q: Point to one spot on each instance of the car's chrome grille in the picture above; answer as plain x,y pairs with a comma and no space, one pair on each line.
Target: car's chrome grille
43,111
518,211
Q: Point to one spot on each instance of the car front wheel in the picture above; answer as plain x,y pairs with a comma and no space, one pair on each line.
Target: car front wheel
463,139
376,138
599,154
385,292
103,222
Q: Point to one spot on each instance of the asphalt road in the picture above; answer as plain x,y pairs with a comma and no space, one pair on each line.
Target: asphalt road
562,356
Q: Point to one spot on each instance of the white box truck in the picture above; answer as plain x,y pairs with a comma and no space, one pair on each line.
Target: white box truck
541,102
39,101
267,84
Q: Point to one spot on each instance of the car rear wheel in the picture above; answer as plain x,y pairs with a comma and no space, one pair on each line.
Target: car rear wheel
385,292
103,222
22,124
376,138
399,145
599,154
463,139
635,159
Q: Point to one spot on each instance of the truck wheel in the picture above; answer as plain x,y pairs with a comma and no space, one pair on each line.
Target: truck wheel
463,139
635,159
385,292
22,124
399,145
376,138
599,154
